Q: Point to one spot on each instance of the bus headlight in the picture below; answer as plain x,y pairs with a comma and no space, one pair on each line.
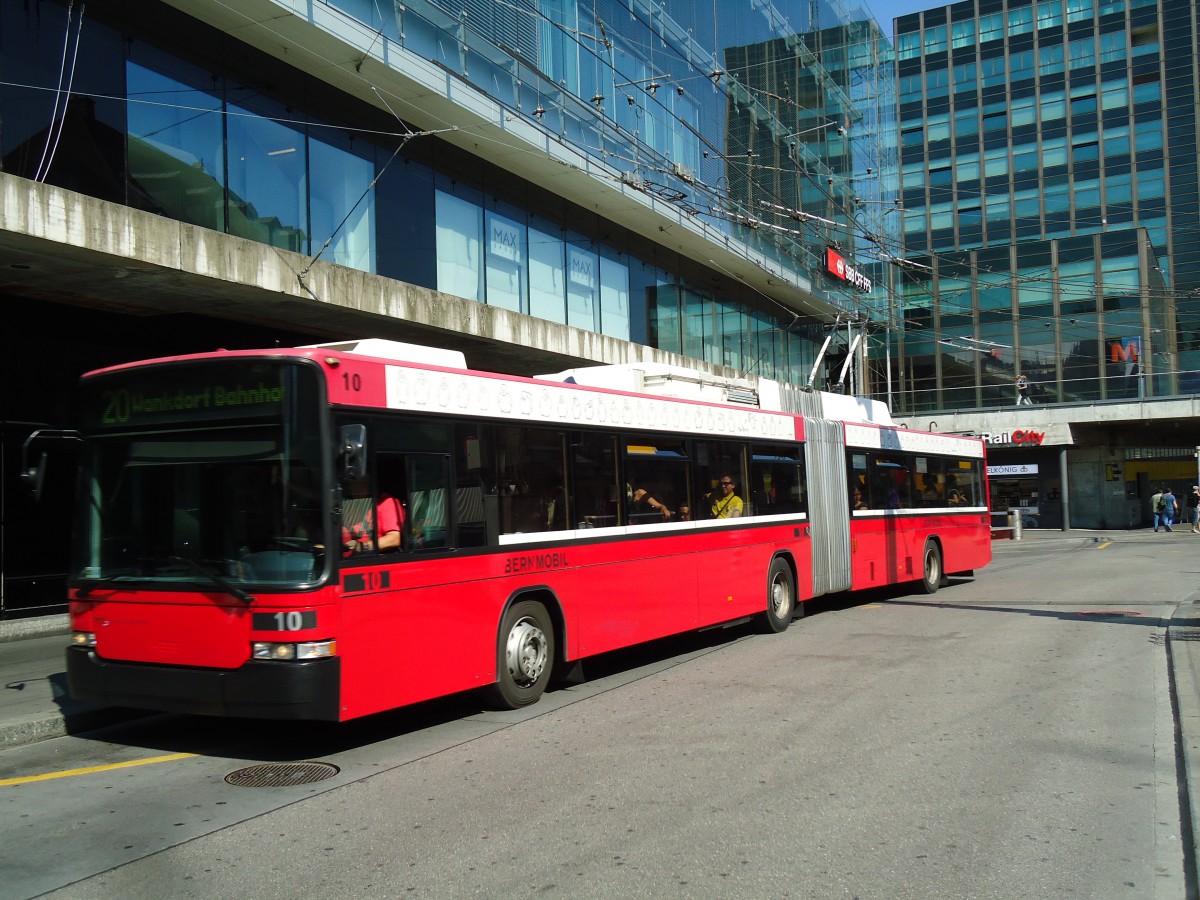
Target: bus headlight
83,639
309,650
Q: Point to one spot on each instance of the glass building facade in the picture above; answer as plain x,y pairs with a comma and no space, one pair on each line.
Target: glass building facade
1048,174
764,124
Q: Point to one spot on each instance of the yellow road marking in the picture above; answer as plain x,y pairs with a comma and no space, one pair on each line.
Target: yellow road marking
70,773
1105,544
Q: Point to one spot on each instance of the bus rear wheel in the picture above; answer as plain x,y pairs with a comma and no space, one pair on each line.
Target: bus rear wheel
525,652
931,580
781,598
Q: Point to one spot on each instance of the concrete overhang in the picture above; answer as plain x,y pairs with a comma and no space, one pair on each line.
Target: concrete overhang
353,58
68,248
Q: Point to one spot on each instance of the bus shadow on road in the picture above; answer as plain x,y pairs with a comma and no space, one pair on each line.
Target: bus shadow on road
1106,615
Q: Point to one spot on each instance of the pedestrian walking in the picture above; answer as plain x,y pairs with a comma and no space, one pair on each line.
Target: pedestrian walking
1023,389
1171,507
1194,506
1157,508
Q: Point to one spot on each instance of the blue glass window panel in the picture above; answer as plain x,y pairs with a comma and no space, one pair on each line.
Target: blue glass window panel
268,166
993,71
547,276
583,284
1021,65
1049,14
991,27
665,316
1148,137
908,45
937,82
1118,189
698,327
1082,53
614,296
1150,186
1115,96
459,247
935,39
176,148
505,254
966,124
1050,59
1020,20
1079,10
1148,92
963,34
1112,46
342,205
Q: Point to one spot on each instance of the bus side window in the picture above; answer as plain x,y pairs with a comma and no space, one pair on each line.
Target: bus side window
594,476
427,517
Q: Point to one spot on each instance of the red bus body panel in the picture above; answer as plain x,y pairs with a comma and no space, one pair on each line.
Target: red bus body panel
434,631
887,550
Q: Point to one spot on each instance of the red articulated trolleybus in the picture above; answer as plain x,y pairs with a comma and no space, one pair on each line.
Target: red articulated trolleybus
327,532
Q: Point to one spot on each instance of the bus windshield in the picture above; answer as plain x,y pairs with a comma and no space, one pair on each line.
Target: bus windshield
202,475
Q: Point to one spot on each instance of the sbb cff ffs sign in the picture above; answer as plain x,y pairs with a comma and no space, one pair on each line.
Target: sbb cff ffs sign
836,265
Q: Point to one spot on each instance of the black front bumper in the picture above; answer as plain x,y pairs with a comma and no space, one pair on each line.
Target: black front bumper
259,689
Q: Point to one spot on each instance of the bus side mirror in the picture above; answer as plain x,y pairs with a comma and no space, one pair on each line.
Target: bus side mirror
35,476
354,451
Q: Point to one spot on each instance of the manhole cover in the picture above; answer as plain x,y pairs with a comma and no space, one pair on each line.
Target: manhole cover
281,774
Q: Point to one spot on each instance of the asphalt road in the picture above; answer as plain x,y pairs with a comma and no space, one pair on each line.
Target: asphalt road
1013,735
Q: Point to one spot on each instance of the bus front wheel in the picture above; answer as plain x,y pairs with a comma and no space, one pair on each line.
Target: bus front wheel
525,654
933,571
781,598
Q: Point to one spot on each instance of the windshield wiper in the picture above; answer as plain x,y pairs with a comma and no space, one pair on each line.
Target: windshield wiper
214,578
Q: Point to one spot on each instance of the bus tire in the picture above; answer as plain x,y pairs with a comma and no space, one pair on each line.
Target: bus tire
932,570
781,598
525,655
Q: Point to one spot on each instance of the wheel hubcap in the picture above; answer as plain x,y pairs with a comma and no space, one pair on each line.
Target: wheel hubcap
526,652
781,598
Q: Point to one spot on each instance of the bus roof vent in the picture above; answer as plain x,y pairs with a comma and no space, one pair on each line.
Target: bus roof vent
743,396
399,351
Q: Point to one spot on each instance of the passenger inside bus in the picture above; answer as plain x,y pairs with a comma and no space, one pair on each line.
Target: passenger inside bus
930,496
886,496
369,525
724,503
644,506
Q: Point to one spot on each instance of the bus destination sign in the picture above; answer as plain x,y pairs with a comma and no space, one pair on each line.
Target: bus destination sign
198,394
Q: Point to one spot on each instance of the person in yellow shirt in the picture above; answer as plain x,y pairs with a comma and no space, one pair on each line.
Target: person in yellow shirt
724,503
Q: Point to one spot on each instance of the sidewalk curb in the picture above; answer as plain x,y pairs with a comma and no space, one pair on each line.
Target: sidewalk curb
61,724
37,626
1183,627
70,716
